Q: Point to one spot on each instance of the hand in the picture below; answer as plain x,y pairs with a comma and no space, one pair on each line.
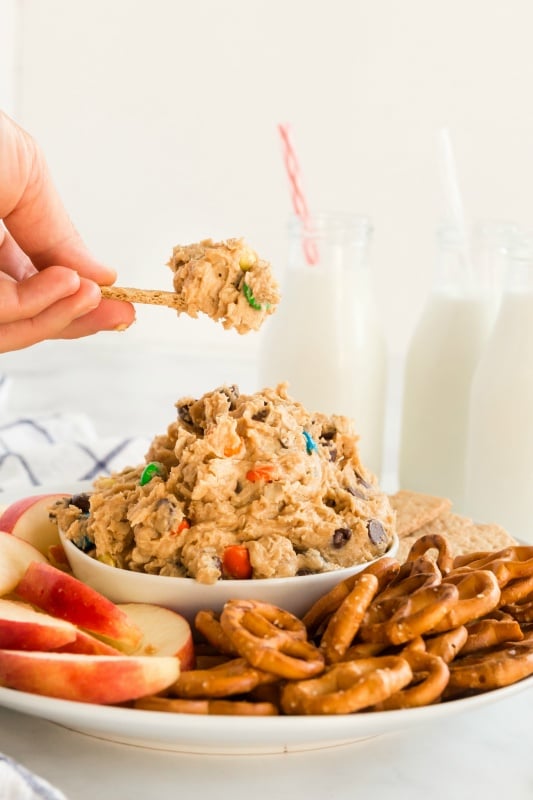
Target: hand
49,282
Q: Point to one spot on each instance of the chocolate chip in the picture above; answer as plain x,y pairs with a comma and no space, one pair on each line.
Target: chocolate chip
232,393
304,571
260,416
340,537
355,492
330,502
327,436
332,453
81,501
362,481
184,414
376,532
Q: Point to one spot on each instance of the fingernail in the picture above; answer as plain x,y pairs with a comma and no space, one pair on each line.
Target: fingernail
124,326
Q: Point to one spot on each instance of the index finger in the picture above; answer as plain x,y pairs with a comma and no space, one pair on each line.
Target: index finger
32,209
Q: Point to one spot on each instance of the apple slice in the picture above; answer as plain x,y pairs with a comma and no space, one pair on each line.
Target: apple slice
87,679
165,632
28,519
57,557
64,596
15,557
90,645
23,628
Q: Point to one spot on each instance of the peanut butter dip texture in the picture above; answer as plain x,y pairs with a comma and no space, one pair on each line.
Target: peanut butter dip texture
254,471
227,280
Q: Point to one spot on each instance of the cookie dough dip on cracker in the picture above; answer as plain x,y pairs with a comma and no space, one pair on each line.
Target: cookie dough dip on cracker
240,486
226,280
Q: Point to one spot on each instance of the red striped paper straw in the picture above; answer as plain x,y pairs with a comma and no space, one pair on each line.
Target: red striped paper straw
299,202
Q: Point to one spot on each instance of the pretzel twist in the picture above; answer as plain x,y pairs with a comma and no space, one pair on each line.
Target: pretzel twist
479,594
430,678
517,591
344,623
448,644
271,639
488,632
522,612
501,666
207,623
240,708
407,617
507,564
347,687
433,541
223,680
384,569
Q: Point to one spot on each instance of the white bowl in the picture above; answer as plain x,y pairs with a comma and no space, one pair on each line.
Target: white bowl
188,596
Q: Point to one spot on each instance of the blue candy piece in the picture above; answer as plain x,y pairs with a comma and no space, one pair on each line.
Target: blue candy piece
310,444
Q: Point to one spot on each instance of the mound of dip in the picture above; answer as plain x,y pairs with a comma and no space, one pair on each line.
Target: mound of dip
240,486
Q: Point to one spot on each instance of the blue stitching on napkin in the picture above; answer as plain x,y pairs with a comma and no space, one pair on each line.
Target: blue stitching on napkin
101,464
32,424
33,479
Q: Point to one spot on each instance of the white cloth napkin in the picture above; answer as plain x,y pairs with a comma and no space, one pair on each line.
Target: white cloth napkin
18,783
57,449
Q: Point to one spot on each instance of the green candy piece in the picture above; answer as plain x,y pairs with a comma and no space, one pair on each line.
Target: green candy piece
248,293
151,469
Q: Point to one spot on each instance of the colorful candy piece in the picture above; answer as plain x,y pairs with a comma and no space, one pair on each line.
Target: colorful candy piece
183,526
151,469
236,562
248,293
261,472
310,444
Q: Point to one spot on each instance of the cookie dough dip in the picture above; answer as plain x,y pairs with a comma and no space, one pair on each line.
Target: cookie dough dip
240,486
227,281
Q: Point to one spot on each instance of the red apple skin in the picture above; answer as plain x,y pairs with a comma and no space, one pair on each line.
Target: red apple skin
28,518
64,596
165,633
90,645
87,679
15,557
23,628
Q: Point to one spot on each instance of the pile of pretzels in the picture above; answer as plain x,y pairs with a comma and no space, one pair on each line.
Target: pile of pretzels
396,635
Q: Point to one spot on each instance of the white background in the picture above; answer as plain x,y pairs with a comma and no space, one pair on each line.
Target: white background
159,122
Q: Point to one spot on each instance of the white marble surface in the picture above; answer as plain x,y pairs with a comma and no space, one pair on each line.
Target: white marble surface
482,753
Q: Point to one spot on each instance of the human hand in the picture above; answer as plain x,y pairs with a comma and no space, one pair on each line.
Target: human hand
49,282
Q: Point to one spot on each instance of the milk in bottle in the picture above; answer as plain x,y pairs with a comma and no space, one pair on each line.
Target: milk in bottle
326,337
442,356
499,484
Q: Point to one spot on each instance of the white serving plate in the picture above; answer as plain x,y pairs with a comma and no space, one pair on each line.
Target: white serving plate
190,733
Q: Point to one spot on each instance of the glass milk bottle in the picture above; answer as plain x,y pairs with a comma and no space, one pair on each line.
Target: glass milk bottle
443,354
326,339
500,444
